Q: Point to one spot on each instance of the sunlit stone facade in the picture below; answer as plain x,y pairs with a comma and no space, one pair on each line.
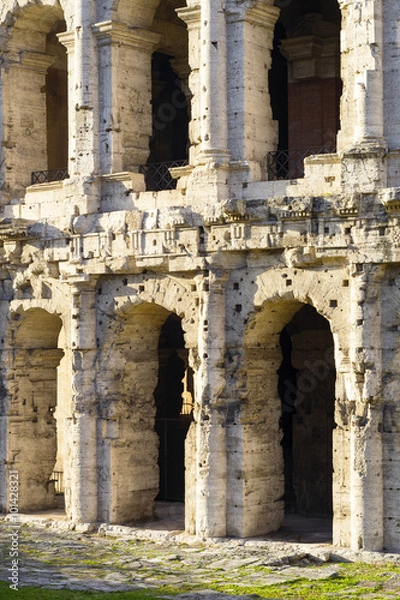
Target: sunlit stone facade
190,310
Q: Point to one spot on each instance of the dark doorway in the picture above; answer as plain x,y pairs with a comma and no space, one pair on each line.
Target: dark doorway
169,143
288,394
307,391
304,83
170,113
278,87
174,409
57,102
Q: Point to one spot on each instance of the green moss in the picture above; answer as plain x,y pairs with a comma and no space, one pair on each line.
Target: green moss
351,582
93,557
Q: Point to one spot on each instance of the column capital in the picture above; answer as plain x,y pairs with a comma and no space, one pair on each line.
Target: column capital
67,39
191,15
115,33
80,284
261,13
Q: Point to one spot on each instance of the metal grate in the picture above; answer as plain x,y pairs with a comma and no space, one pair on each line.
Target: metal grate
58,478
289,164
158,177
49,176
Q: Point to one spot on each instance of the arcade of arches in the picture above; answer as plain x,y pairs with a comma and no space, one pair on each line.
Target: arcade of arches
199,263
158,72
146,397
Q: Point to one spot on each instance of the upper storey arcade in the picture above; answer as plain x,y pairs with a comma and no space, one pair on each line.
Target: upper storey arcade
100,100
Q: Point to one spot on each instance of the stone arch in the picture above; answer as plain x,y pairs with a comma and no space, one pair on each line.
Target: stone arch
33,358
259,500
138,13
268,301
119,296
130,368
35,69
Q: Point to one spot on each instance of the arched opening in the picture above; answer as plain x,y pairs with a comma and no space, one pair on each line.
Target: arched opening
32,449
170,117
174,402
278,87
287,422
305,84
57,103
169,141
35,127
307,392
146,408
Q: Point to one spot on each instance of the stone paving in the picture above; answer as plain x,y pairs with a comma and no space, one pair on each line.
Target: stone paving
124,558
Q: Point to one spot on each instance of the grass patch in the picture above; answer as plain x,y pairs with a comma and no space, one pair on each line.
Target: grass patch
303,589
352,581
174,574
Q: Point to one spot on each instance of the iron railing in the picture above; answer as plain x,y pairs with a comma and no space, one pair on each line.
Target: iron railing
49,176
58,478
289,164
158,177
187,411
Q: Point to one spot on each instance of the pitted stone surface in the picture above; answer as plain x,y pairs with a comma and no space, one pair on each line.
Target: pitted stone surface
234,342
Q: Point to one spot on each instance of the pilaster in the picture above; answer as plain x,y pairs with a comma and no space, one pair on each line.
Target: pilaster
210,414
252,131
366,481
125,90
213,84
192,17
82,463
83,109
67,39
208,128
362,74
366,469
361,139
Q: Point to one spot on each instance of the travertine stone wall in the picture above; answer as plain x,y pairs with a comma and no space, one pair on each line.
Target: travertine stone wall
251,130
92,266
390,65
126,92
362,73
25,64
